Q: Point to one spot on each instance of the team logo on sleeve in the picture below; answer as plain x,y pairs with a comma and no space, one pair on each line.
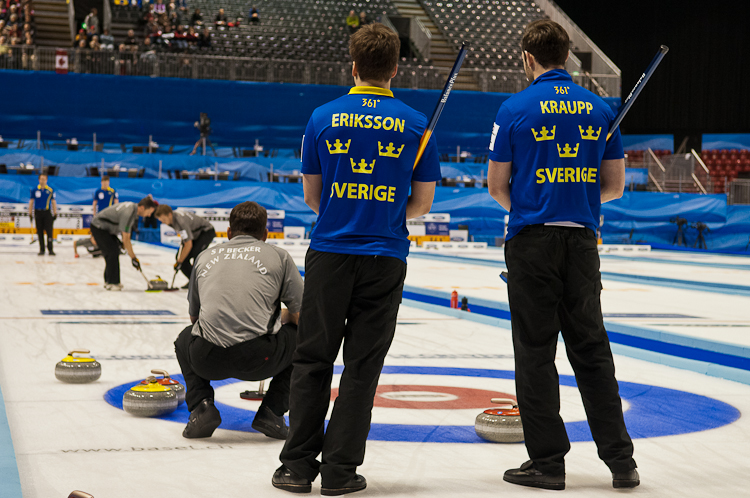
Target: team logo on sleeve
590,134
495,129
544,134
338,147
389,151
567,151
362,166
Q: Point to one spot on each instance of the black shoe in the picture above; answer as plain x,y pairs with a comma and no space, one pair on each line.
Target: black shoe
51,252
356,483
287,480
187,285
203,420
629,479
270,424
527,475
41,253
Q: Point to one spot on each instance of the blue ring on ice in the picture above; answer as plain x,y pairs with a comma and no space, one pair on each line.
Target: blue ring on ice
653,411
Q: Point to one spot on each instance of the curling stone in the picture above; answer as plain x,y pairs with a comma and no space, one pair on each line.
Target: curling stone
149,400
80,494
171,383
159,284
77,370
500,425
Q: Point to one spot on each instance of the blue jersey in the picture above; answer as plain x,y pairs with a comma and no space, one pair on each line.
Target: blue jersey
105,198
42,197
364,145
555,134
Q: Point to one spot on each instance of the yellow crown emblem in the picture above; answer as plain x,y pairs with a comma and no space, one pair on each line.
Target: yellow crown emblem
390,151
363,166
590,135
338,147
544,134
567,151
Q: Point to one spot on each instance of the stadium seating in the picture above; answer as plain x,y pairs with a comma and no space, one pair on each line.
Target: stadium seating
726,165
492,27
313,31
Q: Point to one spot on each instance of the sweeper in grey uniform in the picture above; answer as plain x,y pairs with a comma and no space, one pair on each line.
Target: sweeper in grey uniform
118,219
240,330
195,232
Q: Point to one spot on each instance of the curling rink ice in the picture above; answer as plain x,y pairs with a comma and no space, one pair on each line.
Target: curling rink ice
679,323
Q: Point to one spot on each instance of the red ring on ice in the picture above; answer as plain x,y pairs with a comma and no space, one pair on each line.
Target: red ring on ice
417,397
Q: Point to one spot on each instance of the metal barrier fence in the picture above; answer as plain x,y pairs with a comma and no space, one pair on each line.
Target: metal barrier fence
197,66
739,192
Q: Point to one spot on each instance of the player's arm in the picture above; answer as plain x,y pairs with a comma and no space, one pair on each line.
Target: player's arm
194,301
498,182
94,205
128,245
187,246
31,209
312,185
289,317
54,207
612,179
420,200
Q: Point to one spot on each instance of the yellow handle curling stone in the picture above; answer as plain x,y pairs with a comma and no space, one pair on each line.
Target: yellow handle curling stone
171,383
78,370
150,399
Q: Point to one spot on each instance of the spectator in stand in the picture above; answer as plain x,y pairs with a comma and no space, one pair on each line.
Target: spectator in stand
107,40
147,16
91,32
174,20
363,20
149,54
196,19
221,18
28,29
192,39
81,35
204,39
94,43
92,20
160,8
82,43
28,14
254,15
180,41
352,22
13,22
12,11
130,44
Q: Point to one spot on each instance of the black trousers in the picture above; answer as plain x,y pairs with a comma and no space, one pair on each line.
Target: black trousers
266,356
199,245
109,245
554,285
347,298
43,220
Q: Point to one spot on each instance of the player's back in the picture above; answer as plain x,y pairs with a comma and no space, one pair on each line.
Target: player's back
365,144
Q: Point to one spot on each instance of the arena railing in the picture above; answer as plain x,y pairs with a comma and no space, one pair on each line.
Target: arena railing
198,66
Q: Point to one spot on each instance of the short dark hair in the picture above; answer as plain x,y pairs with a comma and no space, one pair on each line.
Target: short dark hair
105,178
148,203
162,210
547,41
374,49
248,218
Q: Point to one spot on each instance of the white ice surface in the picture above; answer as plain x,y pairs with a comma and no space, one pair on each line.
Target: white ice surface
67,437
